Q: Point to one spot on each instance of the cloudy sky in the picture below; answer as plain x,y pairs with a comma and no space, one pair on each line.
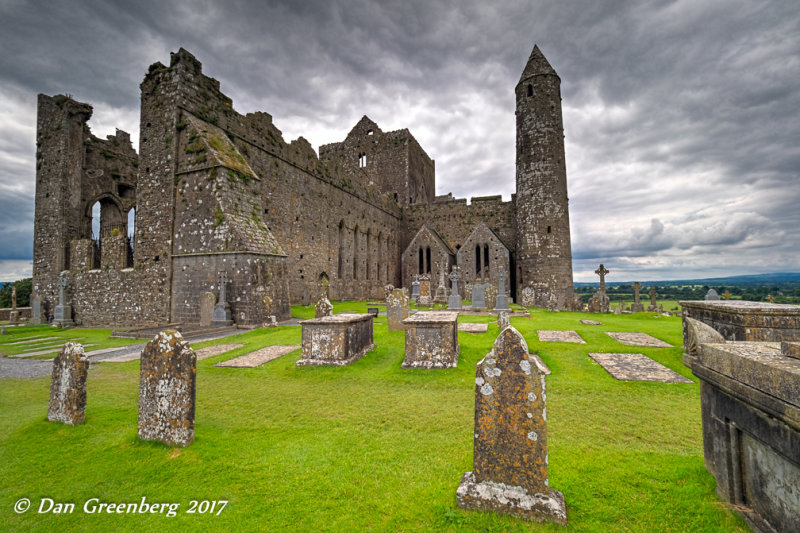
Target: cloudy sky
681,118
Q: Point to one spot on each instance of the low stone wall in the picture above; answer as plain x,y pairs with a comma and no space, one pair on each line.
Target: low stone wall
22,313
740,320
750,401
336,340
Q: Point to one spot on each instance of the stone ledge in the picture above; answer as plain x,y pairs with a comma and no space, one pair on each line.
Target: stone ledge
428,364
515,501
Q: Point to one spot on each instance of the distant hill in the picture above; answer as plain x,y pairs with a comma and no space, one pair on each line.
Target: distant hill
751,280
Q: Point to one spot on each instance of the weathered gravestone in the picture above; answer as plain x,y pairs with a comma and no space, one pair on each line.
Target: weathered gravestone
454,300
510,470
62,316
271,320
712,295
36,311
13,316
387,290
415,287
425,297
653,295
68,386
491,296
502,320
599,303
323,307
222,311
502,298
396,309
637,306
167,390
207,303
479,296
441,289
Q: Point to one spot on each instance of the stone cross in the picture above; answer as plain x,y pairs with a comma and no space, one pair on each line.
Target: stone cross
13,299
323,286
510,461
636,288
68,386
454,281
653,295
454,300
167,390
442,282
63,283
502,300
602,271
223,279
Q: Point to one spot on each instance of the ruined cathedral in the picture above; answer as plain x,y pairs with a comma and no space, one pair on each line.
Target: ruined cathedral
215,194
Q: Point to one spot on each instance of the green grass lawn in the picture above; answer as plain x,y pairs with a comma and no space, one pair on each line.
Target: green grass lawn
366,447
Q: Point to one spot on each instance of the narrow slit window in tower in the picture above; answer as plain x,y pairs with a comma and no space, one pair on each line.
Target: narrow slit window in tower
530,90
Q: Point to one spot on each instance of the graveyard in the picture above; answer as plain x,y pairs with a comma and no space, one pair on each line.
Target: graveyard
370,445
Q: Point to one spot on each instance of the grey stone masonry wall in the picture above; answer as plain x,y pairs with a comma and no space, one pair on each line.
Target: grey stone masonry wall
68,386
481,257
336,340
22,312
431,340
750,402
167,390
544,254
745,321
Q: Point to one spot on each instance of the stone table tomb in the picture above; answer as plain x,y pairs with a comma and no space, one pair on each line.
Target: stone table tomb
432,340
336,340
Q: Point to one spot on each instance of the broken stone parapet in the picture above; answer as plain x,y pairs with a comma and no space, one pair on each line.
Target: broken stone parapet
738,320
431,340
510,461
68,386
167,390
750,403
336,340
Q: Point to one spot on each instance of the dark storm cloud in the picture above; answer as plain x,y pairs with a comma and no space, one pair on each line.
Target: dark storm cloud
680,117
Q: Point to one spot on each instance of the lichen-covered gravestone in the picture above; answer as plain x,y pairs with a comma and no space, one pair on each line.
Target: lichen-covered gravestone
68,386
207,303
502,320
323,307
510,473
167,390
491,296
396,310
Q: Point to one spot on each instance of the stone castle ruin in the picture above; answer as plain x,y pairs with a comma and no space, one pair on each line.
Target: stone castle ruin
212,191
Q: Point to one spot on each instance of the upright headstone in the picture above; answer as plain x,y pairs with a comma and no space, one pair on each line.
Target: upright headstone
207,303
387,290
62,316
396,310
510,469
222,311
441,289
415,287
712,295
271,322
36,311
13,316
479,296
491,296
653,295
454,301
502,320
323,307
502,297
425,297
68,386
167,390
637,306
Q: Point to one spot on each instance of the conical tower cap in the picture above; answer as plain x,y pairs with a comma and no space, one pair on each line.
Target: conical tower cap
537,65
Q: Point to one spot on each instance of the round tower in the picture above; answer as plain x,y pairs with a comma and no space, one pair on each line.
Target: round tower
543,255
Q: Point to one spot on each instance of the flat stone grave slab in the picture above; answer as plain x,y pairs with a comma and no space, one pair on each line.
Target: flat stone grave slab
637,339
32,340
45,351
548,335
211,351
49,345
123,358
592,322
636,367
473,328
259,357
